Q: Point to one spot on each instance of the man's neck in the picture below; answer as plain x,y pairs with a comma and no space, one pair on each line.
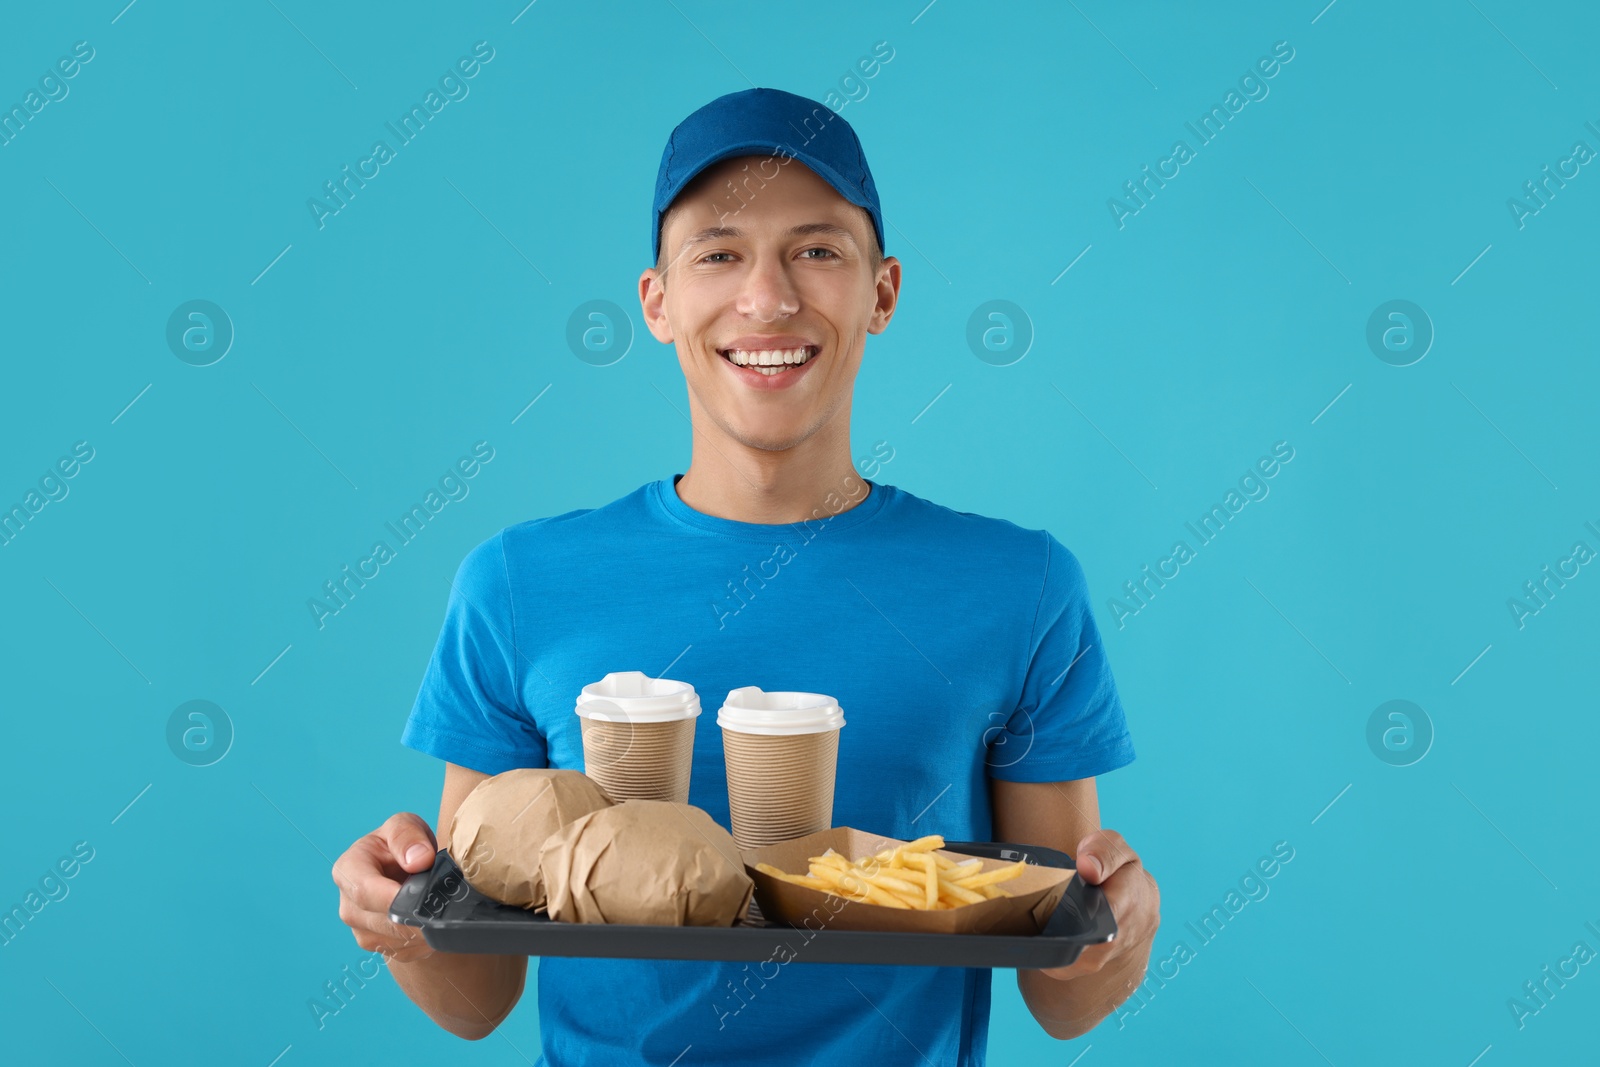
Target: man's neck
814,479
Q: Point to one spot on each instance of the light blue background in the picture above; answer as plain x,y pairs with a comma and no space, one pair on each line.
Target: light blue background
1224,317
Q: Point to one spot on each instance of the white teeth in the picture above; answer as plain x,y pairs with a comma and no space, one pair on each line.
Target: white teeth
777,358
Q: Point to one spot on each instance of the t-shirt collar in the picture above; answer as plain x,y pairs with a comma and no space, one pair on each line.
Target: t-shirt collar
667,498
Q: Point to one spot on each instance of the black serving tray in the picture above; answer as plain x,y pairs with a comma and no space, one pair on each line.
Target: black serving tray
454,917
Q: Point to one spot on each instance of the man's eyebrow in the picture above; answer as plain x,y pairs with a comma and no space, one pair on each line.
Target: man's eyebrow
805,229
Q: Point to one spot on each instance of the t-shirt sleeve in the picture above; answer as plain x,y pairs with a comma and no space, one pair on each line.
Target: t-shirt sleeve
468,710
1069,722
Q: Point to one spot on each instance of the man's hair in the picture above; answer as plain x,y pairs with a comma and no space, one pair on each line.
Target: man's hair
874,253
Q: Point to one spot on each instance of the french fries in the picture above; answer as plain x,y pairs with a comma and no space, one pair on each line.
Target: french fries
911,876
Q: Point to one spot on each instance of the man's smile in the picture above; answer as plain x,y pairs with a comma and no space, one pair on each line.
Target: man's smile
770,362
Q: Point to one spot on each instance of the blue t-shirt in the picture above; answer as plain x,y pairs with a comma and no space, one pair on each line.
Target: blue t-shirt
960,647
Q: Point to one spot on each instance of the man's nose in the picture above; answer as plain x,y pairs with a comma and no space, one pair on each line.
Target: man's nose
768,293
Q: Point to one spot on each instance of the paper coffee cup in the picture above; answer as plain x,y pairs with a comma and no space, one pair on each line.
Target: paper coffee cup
782,751
638,735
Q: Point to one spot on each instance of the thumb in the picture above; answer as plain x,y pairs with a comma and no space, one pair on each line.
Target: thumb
1089,867
411,843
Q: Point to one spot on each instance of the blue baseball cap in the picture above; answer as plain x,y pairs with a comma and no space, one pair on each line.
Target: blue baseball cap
766,122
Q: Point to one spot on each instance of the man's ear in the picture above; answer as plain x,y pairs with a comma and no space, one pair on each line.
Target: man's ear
888,294
652,304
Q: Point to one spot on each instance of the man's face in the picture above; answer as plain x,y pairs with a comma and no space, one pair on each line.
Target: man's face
778,274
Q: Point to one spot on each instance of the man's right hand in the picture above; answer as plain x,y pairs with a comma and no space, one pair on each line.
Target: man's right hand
369,875
468,994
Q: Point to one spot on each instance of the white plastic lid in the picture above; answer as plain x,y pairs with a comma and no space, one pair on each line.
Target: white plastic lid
751,711
634,696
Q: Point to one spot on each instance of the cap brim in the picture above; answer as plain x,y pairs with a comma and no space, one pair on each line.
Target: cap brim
745,148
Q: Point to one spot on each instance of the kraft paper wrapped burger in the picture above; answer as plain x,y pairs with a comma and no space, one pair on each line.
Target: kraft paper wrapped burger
499,828
651,862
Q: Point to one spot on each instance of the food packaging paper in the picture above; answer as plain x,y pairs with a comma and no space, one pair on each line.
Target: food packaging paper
652,862
499,828
1035,892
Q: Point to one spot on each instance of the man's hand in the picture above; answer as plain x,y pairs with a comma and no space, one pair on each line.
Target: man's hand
468,994
1105,860
369,874
1071,1001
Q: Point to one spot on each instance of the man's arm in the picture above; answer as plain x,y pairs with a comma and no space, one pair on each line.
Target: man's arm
1070,1001
466,994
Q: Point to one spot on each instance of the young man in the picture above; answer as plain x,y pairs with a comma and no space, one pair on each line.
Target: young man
979,701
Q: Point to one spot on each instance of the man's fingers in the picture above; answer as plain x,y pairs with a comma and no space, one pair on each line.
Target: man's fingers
411,843
363,874
374,930
1101,853
387,930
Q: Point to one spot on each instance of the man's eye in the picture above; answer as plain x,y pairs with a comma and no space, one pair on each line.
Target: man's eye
712,256
826,252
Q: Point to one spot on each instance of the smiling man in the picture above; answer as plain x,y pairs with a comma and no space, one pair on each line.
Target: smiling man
980,701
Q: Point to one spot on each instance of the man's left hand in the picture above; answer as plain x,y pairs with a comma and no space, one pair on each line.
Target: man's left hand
1105,860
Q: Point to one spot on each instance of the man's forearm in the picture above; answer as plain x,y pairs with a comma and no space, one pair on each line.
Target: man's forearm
1072,1007
466,994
